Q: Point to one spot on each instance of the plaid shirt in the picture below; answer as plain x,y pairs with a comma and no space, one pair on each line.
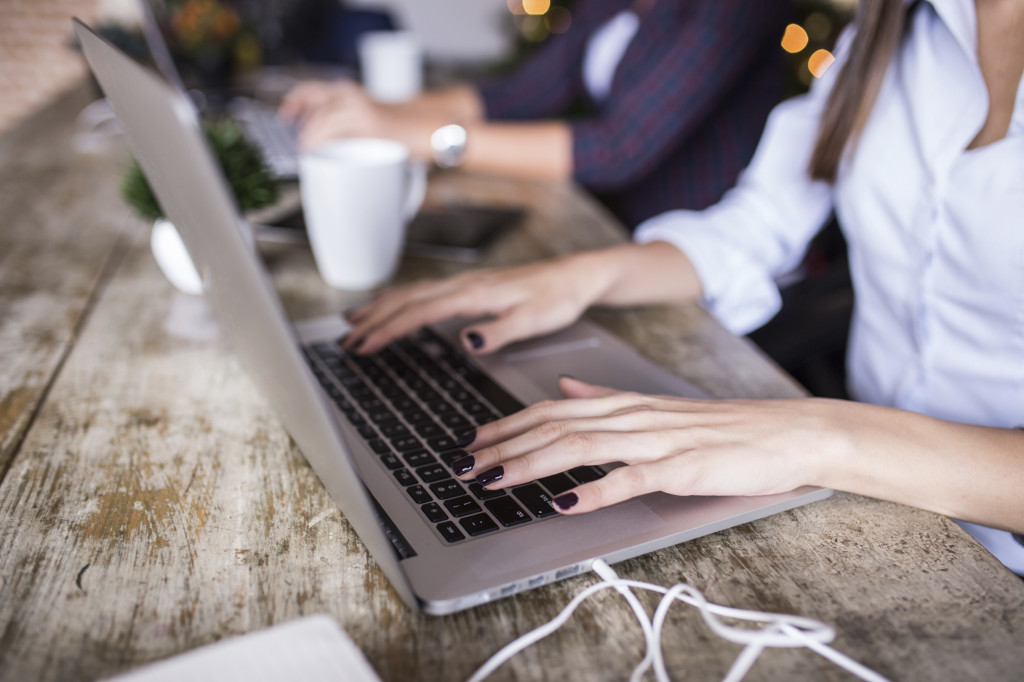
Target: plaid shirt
686,108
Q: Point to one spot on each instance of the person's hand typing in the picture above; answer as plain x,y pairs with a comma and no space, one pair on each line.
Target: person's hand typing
673,445
521,302
309,96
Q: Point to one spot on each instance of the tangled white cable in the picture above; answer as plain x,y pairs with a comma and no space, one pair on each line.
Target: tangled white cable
779,630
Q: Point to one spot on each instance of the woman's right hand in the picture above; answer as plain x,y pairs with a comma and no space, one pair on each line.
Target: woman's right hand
520,302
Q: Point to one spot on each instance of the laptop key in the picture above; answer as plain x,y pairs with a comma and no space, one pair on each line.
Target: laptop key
440,407
414,415
482,493
405,477
367,432
447,489
485,418
535,500
418,458
478,524
449,456
450,532
441,443
557,484
462,506
456,422
431,473
378,416
507,511
420,495
390,461
379,446
429,430
433,512
393,430
586,474
406,443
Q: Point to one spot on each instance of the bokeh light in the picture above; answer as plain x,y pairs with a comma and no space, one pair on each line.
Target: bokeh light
819,62
516,6
558,20
536,7
794,39
818,26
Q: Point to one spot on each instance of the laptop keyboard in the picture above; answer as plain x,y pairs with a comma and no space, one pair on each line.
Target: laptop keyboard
410,402
277,139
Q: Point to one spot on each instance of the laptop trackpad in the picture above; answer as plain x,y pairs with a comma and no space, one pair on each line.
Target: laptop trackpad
595,356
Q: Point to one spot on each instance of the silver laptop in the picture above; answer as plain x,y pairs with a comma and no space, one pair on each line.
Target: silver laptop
379,431
275,137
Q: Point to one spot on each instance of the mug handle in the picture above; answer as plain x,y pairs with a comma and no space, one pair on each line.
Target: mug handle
417,188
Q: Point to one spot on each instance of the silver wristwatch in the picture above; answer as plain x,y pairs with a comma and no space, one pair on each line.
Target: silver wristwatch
449,145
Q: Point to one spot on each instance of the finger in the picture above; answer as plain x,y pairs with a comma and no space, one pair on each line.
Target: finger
618,485
523,321
392,303
578,448
547,412
647,434
429,311
571,387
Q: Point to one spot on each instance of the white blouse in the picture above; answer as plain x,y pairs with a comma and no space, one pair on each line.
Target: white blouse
935,232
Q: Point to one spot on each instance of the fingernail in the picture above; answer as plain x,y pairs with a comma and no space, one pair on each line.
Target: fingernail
567,376
566,501
475,340
466,438
491,476
463,465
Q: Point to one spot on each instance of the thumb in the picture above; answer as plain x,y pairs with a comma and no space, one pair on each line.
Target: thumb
572,387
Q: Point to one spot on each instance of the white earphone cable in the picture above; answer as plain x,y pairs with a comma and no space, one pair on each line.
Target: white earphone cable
779,631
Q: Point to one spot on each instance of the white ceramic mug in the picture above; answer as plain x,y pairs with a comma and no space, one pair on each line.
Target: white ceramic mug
392,65
357,196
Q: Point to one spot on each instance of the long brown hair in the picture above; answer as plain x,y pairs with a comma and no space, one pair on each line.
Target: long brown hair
879,32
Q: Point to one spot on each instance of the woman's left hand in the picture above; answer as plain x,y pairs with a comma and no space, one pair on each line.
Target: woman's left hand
674,445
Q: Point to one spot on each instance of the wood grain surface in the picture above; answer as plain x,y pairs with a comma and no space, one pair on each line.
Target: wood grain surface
152,503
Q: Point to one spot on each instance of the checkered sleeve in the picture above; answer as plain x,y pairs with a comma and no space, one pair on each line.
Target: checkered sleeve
547,82
670,81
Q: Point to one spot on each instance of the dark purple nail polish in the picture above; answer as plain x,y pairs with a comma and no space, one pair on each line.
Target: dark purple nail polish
566,501
492,475
463,465
466,438
475,340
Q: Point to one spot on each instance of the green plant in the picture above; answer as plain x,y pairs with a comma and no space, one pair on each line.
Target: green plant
243,165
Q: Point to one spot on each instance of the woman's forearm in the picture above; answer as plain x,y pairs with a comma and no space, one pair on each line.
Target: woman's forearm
638,274
967,472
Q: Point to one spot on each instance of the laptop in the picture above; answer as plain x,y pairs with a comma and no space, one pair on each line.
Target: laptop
379,430
275,137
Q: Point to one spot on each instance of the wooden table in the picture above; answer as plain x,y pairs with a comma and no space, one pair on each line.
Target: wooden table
152,503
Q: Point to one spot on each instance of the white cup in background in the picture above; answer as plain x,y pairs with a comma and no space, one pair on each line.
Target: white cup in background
392,65
357,197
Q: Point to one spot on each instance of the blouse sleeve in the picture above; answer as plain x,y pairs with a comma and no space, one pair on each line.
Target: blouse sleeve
670,81
761,228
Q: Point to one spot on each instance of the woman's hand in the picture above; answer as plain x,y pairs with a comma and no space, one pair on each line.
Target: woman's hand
522,302
674,445
310,96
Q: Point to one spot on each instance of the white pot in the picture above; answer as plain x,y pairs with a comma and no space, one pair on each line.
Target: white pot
173,258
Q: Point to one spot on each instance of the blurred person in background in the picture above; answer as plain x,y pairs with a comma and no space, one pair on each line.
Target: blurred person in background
652,105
